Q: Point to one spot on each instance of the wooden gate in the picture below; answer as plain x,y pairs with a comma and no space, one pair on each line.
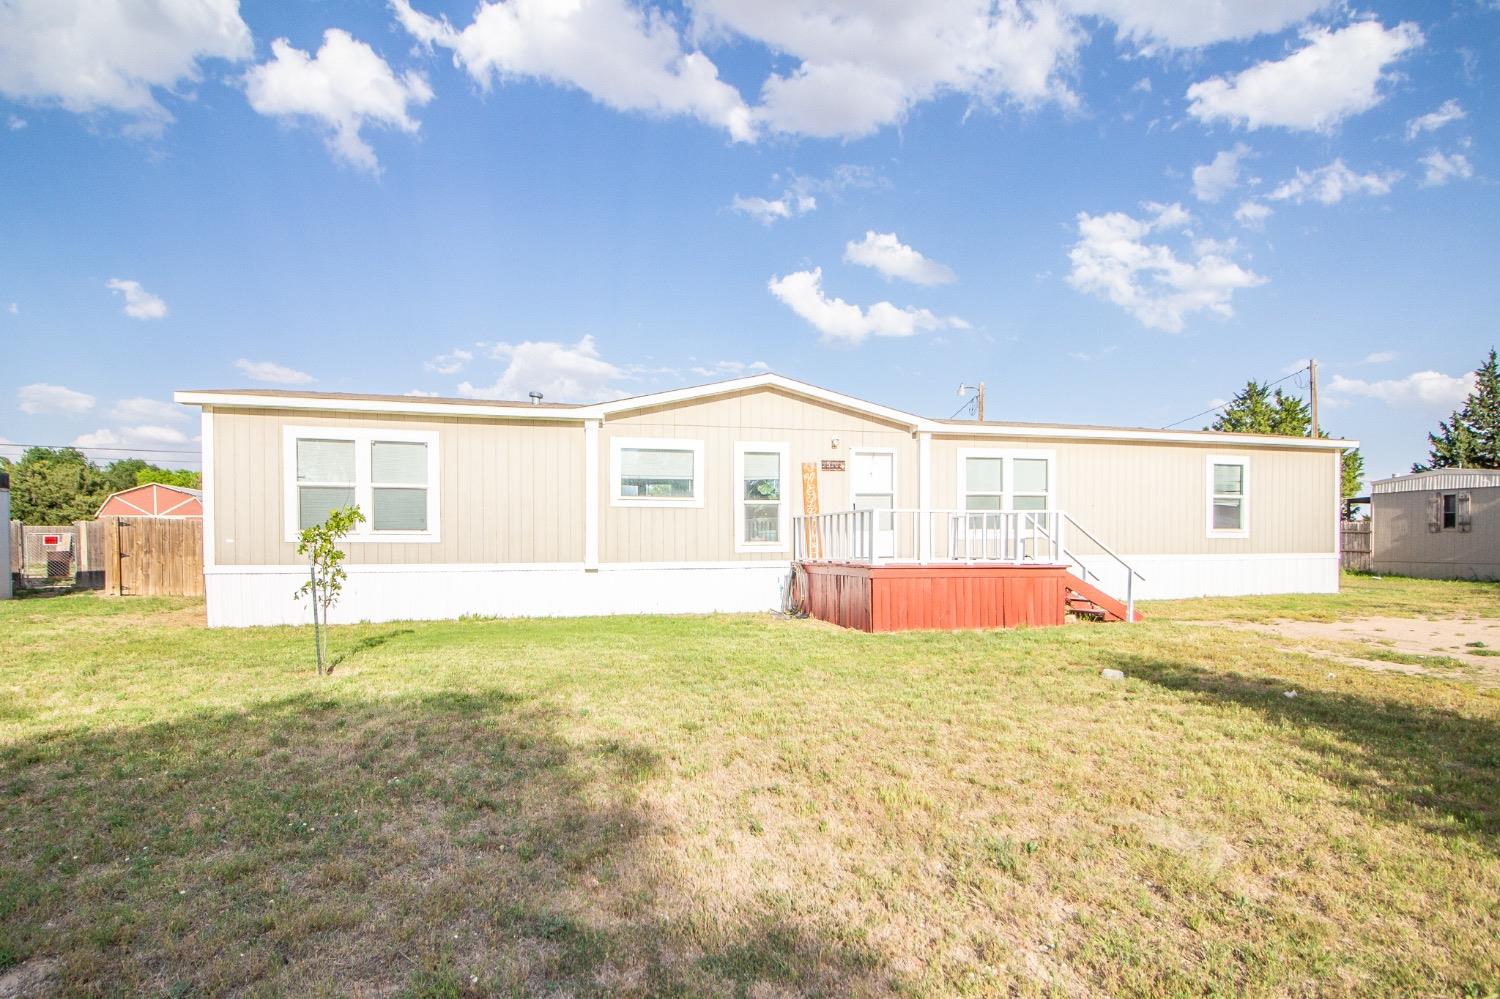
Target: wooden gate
1356,552
151,556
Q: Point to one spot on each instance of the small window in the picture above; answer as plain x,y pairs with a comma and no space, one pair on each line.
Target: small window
1029,491
325,479
398,486
1450,511
984,480
1229,497
761,512
662,472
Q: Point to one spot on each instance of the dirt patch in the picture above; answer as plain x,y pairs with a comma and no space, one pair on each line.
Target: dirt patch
29,978
1419,646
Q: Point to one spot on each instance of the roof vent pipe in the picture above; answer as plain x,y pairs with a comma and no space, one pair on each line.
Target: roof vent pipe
536,398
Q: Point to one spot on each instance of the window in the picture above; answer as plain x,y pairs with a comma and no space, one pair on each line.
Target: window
1228,497
990,480
390,475
762,515
1450,511
656,472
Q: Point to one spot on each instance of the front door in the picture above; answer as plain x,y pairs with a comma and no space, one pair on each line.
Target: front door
872,486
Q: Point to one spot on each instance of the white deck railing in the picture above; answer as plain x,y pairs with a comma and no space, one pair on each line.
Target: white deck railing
875,537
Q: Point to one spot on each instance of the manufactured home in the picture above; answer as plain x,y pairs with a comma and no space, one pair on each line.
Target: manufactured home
706,498
1441,524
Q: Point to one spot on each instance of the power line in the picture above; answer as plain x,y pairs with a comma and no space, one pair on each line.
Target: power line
1221,405
90,447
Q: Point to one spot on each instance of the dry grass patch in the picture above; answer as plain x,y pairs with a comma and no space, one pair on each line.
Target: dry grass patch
734,806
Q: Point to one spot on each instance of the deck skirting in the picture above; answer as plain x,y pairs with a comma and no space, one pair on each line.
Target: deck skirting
883,598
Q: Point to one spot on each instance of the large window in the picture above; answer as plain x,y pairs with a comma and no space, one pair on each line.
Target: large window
1228,497
991,480
390,475
762,514
656,472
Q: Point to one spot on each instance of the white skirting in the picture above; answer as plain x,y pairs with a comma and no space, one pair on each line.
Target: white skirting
1169,577
252,595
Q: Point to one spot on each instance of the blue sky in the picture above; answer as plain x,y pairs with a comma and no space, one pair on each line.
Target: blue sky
1109,212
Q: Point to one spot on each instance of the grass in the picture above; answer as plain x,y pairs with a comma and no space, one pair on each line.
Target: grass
739,805
1361,595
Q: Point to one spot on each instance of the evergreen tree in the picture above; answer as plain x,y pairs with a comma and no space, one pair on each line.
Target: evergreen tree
1470,437
1256,409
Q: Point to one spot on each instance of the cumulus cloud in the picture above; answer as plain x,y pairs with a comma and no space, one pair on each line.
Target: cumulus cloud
883,252
1428,388
1379,357
767,211
40,398
139,303
624,57
269,371
838,320
15,123
1443,167
143,436
1328,185
1252,214
799,196
1447,112
450,363
114,55
1335,74
341,89
1113,260
562,373
1181,25
1212,180
144,409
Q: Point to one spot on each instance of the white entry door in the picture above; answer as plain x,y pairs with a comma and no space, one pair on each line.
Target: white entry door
872,486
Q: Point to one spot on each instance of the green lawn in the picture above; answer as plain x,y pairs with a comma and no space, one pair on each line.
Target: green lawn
742,805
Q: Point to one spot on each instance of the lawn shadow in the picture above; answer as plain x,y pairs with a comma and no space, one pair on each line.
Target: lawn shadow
367,643
330,843
1428,767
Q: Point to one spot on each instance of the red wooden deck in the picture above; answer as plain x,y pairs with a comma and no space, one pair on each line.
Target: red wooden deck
904,597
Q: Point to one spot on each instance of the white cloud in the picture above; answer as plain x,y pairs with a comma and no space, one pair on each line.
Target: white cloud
144,409
139,303
1328,185
13,309
1443,167
729,369
269,371
450,363
624,57
839,320
1422,387
1112,260
15,123
114,55
343,88
561,373
148,439
43,398
1190,25
770,210
1337,73
1252,214
1447,112
1211,181
885,253
1379,357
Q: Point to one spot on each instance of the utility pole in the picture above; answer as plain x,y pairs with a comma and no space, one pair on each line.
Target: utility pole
980,404
1312,369
964,390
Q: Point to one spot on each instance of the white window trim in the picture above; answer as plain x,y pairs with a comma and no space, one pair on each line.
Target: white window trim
618,444
1007,492
1242,460
362,438
784,506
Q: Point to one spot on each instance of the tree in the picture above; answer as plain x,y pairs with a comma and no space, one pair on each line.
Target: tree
1256,409
326,571
55,486
121,473
1470,437
169,477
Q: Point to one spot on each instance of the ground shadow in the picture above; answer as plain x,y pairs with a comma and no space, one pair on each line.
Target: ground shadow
1424,766
334,844
367,643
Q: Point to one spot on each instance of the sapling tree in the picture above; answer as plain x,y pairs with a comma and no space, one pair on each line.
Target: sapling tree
325,570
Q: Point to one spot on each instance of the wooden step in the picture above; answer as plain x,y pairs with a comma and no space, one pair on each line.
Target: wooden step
1085,599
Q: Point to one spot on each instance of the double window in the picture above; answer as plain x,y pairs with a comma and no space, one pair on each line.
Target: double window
762,515
991,481
1228,488
390,475
656,471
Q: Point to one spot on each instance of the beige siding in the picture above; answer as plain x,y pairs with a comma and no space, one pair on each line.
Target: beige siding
1404,544
1144,498
706,534
510,492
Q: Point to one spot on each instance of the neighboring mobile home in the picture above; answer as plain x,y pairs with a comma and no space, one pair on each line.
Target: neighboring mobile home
1442,524
689,500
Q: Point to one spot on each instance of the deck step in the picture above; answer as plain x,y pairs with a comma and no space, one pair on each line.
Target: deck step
1086,600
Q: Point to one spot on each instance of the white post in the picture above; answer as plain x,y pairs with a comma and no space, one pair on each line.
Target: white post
924,497
210,554
591,495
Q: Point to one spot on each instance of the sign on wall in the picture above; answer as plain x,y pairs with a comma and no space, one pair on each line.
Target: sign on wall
833,464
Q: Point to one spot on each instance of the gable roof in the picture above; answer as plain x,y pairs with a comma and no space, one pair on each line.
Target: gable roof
569,412
185,492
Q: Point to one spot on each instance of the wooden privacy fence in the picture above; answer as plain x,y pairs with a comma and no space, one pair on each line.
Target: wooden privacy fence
150,556
1356,551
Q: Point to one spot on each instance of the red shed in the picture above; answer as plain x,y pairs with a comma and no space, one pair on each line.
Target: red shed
154,499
